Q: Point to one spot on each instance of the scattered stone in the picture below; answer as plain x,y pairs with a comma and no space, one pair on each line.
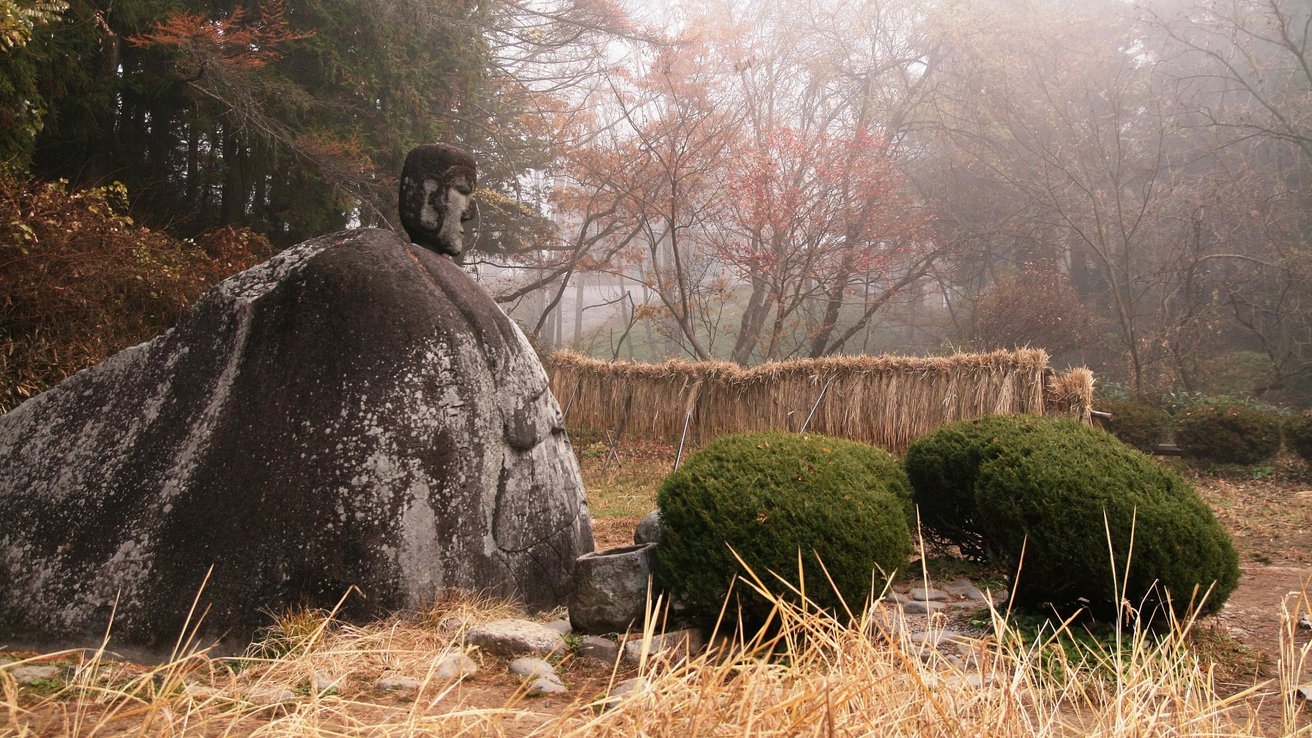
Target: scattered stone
1306,693
1305,622
515,638
964,589
598,648
31,674
921,594
649,529
531,666
972,681
997,597
390,682
270,694
198,691
454,666
934,638
543,685
676,644
636,685
560,626
355,393
919,607
326,684
610,588
897,598
453,624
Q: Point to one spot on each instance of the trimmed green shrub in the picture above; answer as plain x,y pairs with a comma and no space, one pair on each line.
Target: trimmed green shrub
1298,434
942,465
1229,434
768,496
1056,489
1142,426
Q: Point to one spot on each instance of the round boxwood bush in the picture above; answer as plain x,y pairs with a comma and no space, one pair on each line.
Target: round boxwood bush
768,496
1055,489
1229,434
941,466
1298,434
1142,426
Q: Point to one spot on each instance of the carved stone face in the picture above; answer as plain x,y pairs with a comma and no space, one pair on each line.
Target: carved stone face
438,210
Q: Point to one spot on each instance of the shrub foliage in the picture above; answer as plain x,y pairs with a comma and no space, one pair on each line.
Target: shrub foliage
1298,434
768,496
1229,434
79,281
1142,426
942,466
1058,491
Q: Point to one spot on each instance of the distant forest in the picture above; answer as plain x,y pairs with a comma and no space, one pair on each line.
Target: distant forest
1127,185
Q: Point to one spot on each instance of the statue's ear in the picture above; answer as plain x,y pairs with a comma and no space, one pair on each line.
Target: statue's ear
470,222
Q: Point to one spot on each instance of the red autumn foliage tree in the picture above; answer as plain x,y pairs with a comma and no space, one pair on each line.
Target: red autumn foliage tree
818,218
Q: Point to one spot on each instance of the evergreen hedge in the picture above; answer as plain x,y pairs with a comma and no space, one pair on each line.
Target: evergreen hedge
1142,426
1055,490
1229,433
768,496
1298,434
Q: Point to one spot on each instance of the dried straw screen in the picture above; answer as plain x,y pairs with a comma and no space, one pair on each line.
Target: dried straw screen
885,400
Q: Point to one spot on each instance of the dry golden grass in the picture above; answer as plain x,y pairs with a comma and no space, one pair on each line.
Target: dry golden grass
815,676
885,400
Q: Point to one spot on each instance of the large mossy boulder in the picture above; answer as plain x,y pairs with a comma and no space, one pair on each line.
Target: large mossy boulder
355,412
1054,499
838,508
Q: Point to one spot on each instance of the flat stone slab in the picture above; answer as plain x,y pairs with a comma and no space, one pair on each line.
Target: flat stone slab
598,648
678,643
515,638
934,638
921,594
25,675
963,589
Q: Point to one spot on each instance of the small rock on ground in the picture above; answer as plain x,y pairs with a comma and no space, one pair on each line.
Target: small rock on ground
31,674
531,666
920,594
963,588
560,626
1306,693
687,642
922,607
649,528
326,683
515,638
636,685
454,666
598,648
544,685
934,638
